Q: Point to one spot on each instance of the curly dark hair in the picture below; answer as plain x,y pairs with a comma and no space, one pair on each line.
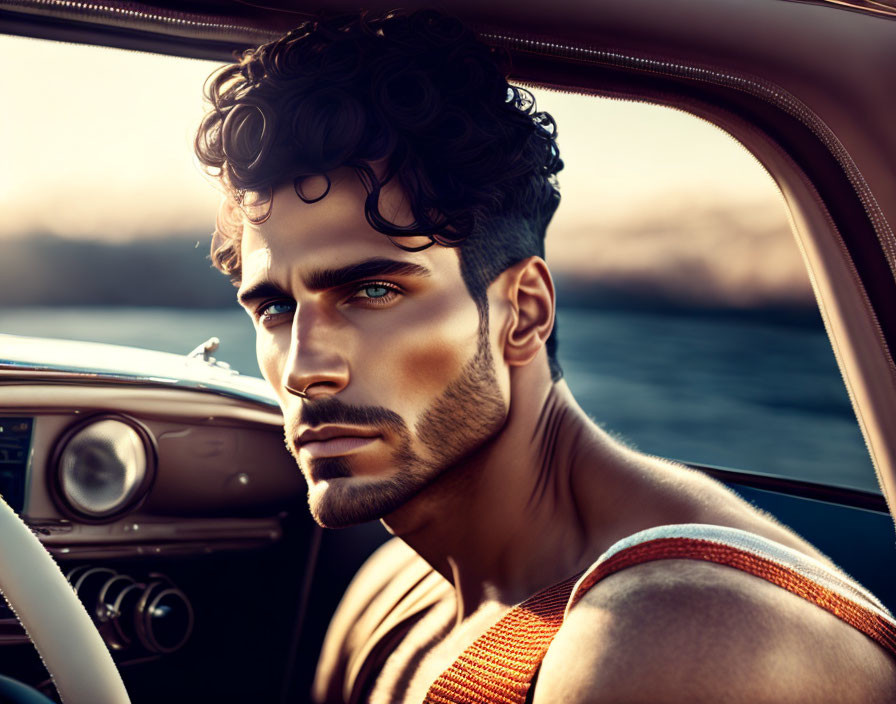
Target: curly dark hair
417,93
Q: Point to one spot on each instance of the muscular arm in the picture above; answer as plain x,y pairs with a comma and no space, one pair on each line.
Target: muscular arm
687,631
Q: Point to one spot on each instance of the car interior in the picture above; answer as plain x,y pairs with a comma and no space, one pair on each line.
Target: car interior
200,566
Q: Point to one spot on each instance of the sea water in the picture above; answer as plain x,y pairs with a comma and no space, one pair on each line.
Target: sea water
752,395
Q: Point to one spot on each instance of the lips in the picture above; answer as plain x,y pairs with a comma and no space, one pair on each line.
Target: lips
333,441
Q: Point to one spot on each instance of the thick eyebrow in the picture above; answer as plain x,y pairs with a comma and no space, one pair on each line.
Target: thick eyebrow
262,289
323,279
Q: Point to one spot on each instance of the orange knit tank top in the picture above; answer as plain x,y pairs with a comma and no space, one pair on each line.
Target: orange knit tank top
499,666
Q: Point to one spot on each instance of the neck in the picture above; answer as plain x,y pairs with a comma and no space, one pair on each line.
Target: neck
525,511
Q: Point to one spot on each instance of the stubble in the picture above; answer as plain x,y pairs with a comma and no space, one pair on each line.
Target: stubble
466,414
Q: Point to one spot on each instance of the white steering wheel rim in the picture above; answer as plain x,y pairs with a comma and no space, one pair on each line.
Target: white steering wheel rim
54,618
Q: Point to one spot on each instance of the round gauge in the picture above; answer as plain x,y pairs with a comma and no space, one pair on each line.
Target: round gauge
164,618
102,467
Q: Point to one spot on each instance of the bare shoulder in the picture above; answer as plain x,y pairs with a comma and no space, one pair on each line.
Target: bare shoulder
686,631
377,597
371,584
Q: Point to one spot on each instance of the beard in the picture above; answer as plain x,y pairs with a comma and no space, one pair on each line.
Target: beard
468,412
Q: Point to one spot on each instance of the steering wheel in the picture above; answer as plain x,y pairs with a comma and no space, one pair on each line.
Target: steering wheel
54,619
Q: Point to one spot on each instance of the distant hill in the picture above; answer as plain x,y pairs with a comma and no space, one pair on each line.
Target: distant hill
175,271
657,296
50,270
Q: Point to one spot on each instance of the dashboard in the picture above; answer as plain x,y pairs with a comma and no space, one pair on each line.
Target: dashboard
207,472
163,506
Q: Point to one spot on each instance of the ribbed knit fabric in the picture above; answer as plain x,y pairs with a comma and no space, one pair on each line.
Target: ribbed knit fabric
871,621
499,666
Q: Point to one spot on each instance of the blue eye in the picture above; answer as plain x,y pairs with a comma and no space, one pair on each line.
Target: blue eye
375,291
277,308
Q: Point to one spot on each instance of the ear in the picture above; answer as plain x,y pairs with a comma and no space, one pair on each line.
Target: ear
530,293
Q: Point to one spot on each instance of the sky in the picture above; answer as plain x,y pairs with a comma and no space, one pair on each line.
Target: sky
97,143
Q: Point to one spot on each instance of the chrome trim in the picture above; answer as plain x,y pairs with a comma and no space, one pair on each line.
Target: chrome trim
33,375
878,8
132,15
40,360
56,483
204,351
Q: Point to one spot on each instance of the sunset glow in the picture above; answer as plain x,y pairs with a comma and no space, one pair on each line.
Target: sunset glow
100,147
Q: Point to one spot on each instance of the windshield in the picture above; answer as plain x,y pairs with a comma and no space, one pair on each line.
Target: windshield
687,325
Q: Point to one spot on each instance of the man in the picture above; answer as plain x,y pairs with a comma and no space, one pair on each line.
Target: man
389,198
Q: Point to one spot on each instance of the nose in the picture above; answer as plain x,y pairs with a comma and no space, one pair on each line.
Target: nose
315,366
